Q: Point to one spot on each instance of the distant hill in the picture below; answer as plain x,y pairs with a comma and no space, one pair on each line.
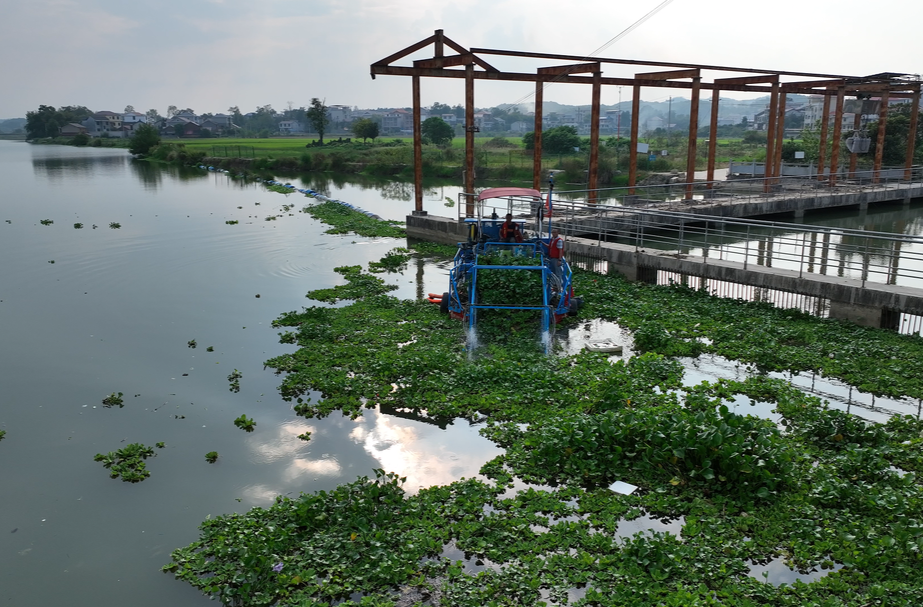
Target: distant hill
11,125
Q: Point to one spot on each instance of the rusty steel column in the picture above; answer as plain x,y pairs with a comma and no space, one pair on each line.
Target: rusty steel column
713,138
633,145
880,143
469,140
537,140
593,176
417,149
822,153
780,138
837,129
693,136
912,136
771,135
854,157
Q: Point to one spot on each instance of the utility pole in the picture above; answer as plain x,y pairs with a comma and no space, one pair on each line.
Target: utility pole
669,117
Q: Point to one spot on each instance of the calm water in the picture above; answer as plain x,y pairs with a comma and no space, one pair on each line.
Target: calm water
114,313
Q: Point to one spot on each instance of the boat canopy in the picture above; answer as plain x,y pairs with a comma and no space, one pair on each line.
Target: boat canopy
504,192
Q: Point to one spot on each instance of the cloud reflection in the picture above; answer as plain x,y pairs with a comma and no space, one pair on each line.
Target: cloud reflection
422,452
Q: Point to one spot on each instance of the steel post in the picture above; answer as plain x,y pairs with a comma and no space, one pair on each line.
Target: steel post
880,143
837,129
693,136
770,136
633,145
537,141
912,136
417,148
469,139
713,138
594,139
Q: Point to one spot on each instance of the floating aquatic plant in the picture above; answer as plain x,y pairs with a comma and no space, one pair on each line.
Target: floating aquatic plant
160,445
245,423
114,400
234,379
127,462
191,343
114,225
232,222
210,349
46,222
78,226
305,436
211,457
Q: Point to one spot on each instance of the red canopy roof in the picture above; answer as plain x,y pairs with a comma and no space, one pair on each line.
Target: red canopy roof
503,192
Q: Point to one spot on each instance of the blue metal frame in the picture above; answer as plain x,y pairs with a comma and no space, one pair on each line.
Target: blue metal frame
464,273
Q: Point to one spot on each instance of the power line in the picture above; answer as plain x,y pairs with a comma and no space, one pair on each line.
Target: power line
612,41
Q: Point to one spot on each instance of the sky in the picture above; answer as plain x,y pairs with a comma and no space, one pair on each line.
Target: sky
209,55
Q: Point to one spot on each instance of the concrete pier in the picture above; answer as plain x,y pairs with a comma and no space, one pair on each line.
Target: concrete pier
863,302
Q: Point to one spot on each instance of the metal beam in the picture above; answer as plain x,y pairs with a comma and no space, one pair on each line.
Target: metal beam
718,68
445,61
766,79
671,75
578,68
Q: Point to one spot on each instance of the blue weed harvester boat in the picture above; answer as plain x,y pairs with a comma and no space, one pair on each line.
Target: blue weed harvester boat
485,250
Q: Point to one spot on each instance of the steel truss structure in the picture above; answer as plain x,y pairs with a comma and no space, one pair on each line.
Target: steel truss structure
470,65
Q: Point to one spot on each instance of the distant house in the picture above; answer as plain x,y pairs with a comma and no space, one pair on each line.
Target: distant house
396,121
216,125
73,129
287,127
339,113
132,120
190,129
105,124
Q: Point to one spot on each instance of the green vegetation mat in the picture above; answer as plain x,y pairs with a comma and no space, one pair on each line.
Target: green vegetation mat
822,491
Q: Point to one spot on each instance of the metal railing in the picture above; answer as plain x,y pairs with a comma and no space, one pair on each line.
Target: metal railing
739,190
877,257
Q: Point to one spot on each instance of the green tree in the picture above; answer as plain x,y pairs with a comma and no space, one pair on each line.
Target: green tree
436,130
319,117
365,128
560,140
153,117
897,133
145,138
42,122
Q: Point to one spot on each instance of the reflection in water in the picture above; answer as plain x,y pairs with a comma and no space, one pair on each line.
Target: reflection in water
776,572
421,452
58,169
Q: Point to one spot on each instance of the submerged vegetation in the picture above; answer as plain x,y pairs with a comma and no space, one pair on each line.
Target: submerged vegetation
723,492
